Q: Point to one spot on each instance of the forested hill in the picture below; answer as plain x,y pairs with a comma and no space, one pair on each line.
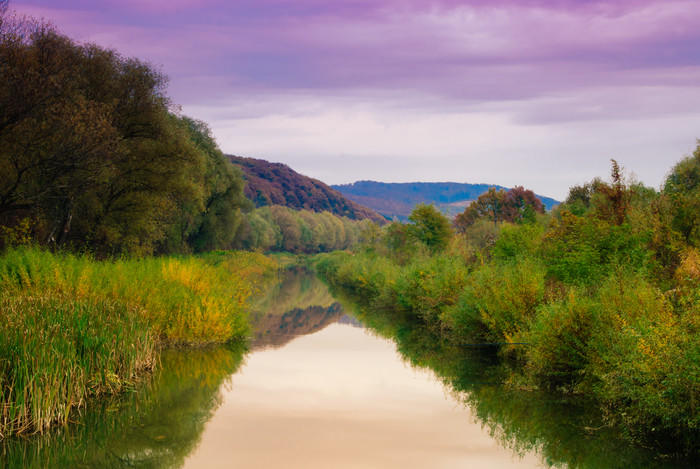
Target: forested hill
277,184
398,199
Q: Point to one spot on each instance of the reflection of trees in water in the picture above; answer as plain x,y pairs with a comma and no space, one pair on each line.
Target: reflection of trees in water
156,427
275,330
565,431
299,304
297,289
161,423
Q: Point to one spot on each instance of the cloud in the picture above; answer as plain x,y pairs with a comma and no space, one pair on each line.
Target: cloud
530,92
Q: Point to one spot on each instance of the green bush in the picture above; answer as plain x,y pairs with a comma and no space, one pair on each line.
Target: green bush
430,286
498,302
645,361
559,339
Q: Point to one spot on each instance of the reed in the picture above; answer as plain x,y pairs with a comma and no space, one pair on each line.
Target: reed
74,327
58,351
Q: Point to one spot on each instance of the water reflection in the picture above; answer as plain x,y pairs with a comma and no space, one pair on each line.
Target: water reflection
342,398
155,427
299,304
563,431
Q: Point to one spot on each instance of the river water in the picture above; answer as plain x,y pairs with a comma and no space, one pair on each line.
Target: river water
321,386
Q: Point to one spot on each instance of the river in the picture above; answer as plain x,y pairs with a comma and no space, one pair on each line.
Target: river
321,386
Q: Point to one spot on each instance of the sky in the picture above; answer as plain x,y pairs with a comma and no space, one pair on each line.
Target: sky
511,92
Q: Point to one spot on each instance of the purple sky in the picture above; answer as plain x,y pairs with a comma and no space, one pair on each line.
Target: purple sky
512,92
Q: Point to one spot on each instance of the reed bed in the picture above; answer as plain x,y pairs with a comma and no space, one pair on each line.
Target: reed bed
74,327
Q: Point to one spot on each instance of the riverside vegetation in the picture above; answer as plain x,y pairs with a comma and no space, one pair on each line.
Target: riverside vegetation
75,328
598,298
95,158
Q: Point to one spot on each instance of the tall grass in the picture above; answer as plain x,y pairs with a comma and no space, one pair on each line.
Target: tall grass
73,327
187,300
57,351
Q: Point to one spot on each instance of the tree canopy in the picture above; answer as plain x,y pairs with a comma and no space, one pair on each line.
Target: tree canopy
93,155
516,205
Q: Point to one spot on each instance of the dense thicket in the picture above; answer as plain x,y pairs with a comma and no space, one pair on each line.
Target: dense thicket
92,156
605,292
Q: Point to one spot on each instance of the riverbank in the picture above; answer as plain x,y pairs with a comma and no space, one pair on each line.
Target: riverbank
622,344
77,328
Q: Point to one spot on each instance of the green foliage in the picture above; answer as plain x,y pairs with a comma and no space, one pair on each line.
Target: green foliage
429,286
559,339
585,249
192,300
682,186
498,302
92,155
517,241
400,243
430,227
279,228
645,362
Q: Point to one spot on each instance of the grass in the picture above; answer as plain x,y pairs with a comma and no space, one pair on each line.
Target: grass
74,328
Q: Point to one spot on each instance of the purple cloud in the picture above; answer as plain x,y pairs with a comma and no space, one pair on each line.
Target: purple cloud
535,63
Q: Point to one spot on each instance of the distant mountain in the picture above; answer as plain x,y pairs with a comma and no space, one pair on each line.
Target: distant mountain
399,199
278,184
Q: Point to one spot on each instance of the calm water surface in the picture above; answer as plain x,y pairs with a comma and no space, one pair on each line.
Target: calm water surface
317,387
341,397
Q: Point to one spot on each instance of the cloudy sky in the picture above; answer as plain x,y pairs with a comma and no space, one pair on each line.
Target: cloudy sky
512,92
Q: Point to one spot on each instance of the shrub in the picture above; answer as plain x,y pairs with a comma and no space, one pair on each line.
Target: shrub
498,302
559,338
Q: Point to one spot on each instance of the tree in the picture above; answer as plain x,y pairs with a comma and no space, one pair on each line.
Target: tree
521,205
91,153
518,205
430,227
682,187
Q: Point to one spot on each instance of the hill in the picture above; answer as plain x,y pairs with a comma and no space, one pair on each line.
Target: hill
278,184
398,199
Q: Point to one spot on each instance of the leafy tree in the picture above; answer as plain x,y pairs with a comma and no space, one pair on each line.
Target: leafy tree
518,205
91,153
216,225
682,187
521,205
430,227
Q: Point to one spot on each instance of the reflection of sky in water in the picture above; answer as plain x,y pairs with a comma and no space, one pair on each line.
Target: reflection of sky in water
342,398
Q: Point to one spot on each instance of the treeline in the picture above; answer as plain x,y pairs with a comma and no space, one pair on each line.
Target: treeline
279,228
93,155
600,297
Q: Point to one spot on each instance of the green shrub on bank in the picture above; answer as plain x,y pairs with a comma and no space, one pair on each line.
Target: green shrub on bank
430,286
498,302
645,361
559,338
